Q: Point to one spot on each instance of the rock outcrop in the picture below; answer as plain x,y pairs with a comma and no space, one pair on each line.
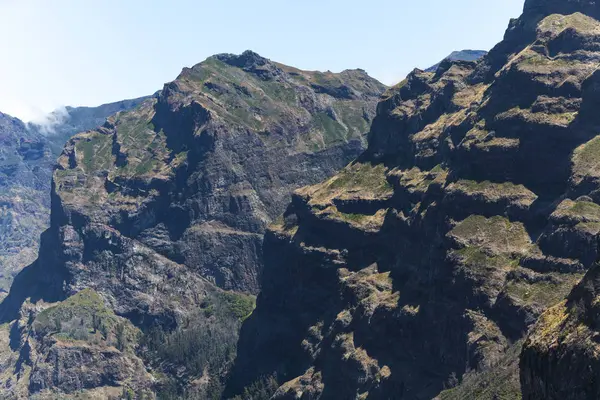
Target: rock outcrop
162,208
417,271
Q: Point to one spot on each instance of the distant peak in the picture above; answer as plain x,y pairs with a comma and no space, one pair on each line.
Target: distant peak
462,55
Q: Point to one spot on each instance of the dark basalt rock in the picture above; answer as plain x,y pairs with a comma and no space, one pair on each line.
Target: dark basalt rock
418,270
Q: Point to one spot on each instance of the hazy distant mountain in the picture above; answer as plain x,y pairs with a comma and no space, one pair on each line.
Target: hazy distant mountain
463,55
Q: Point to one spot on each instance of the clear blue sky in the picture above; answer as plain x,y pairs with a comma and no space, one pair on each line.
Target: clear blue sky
84,52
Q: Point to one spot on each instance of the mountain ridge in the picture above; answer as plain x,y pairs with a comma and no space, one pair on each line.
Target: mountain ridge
158,218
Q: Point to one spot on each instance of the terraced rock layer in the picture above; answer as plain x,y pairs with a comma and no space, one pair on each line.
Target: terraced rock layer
417,271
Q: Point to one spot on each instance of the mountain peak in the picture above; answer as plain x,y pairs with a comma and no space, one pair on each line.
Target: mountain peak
462,55
248,59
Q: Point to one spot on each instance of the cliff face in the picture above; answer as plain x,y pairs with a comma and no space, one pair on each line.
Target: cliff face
199,172
27,157
560,357
155,210
417,270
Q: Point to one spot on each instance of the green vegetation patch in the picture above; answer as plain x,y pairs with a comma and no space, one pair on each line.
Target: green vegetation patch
356,218
360,181
146,150
559,119
96,151
84,317
419,181
240,305
352,115
586,160
363,176
546,292
592,228
556,23
577,211
496,235
478,259
331,130
203,344
241,97
494,191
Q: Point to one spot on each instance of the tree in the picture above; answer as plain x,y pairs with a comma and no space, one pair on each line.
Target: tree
96,322
120,333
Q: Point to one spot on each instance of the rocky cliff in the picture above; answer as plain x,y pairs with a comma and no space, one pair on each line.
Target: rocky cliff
417,271
27,156
161,208
560,357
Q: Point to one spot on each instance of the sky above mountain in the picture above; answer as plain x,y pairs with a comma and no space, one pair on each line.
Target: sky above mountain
74,52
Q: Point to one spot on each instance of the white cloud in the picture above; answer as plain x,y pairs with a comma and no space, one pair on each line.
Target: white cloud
48,122
45,119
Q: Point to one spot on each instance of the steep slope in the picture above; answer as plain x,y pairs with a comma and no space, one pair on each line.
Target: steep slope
154,210
27,156
417,271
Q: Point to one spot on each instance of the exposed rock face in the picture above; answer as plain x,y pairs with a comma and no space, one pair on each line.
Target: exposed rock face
417,271
560,357
164,203
27,157
199,172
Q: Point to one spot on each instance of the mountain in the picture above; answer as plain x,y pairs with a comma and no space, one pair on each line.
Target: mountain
27,155
157,222
418,270
463,55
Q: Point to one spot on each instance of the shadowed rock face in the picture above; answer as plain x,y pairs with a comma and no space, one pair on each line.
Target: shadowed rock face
165,203
27,157
417,271
560,356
